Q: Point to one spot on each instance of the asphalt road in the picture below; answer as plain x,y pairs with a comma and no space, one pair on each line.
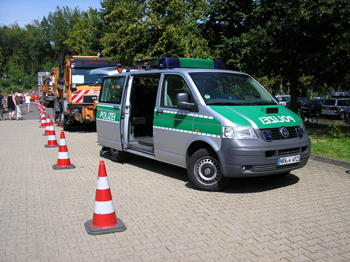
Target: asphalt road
304,216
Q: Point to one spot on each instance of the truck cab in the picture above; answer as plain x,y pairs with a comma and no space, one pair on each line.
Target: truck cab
76,90
218,124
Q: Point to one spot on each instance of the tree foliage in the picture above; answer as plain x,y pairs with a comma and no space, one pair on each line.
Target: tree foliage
58,25
291,39
147,29
25,51
86,34
304,43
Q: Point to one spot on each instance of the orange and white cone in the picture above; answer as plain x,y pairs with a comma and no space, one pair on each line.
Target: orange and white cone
47,125
63,161
51,141
104,220
43,120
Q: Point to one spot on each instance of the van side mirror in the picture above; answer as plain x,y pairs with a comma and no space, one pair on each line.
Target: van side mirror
182,101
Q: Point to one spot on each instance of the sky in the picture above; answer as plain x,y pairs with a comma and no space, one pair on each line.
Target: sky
25,11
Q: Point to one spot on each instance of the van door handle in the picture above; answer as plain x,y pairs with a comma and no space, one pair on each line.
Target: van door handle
116,109
159,112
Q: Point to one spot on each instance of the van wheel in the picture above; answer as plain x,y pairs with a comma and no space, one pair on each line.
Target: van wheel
204,171
342,115
118,156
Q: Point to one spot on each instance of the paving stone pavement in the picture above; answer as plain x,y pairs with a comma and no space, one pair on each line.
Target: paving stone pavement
304,216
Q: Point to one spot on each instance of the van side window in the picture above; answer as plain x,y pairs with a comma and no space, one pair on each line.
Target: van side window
112,90
172,85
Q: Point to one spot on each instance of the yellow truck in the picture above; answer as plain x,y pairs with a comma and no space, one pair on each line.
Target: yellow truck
76,91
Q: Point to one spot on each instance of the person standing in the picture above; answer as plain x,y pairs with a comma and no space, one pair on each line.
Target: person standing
2,106
19,103
11,105
27,100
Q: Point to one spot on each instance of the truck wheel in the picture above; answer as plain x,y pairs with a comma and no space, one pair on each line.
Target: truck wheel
204,171
118,156
66,126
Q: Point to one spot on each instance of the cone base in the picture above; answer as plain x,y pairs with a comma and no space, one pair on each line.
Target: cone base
55,167
51,146
120,227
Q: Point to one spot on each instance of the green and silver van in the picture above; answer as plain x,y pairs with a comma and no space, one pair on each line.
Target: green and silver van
216,123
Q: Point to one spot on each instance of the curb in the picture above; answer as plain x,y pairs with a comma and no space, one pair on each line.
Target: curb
332,161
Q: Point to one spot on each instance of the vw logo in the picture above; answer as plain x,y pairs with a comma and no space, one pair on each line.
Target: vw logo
284,132
207,171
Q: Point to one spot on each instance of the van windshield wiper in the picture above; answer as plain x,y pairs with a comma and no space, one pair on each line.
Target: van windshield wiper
264,103
222,103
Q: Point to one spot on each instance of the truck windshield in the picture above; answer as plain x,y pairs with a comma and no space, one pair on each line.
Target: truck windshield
82,77
219,88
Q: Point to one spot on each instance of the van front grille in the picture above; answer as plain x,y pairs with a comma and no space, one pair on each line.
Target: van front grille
276,135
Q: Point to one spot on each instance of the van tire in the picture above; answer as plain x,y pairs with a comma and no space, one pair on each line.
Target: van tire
118,156
205,160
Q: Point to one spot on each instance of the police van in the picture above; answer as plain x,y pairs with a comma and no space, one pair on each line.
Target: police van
216,123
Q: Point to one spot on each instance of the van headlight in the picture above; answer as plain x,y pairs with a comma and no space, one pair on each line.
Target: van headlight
302,125
239,132
301,130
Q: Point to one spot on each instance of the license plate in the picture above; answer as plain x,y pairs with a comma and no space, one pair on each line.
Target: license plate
288,160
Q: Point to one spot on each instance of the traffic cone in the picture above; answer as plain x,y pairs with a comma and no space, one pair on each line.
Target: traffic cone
43,120
47,125
63,161
104,220
51,141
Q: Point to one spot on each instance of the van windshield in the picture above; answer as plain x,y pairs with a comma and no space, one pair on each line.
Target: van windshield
219,88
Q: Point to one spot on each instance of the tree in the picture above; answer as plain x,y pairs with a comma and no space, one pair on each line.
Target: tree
14,51
291,39
40,49
148,29
87,33
57,26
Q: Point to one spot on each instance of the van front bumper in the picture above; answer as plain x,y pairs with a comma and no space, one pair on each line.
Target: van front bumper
253,158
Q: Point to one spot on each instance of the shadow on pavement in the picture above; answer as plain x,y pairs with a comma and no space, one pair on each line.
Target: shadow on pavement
236,185
260,184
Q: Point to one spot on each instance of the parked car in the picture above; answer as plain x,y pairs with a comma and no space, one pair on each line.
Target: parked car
282,99
33,95
340,95
312,107
335,107
300,102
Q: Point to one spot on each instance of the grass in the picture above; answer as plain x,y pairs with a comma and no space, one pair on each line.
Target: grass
331,140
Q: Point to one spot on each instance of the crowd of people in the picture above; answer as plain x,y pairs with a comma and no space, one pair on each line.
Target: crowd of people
14,104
